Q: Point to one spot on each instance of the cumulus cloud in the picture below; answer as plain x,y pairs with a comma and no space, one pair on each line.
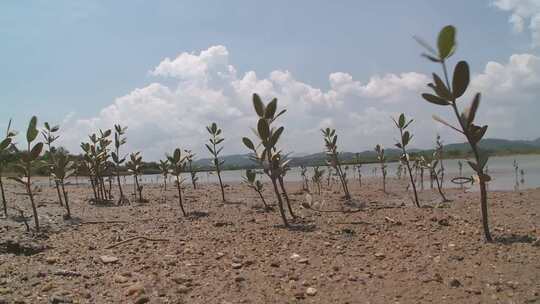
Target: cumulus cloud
525,15
207,88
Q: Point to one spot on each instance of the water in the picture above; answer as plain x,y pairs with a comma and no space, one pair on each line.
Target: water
500,168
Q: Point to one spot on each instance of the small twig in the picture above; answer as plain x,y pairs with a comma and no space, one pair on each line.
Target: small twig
136,238
103,222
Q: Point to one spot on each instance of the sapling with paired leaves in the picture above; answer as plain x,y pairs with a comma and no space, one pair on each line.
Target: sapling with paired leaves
64,168
266,152
5,144
405,139
439,150
305,179
29,159
190,156
317,178
119,140
49,137
164,168
382,162
178,166
434,169
215,140
135,166
446,94
250,179
332,158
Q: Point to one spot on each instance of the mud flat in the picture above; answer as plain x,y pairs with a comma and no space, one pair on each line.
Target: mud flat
379,249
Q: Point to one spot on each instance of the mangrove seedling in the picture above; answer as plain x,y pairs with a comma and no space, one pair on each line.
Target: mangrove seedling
63,169
250,179
49,137
29,159
317,178
118,160
332,156
305,179
215,140
439,150
405,139
382,162
135,166
5,144
178,166
192,172
434,169
266,152
164,168
446,94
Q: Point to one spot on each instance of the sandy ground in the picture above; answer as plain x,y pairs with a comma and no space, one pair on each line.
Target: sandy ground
235,252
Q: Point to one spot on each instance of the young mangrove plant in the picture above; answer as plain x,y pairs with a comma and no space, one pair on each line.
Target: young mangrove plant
64,168
215,140
118,160
439,155
192,172
5,144
382,161
434,169
266,153
49,138
95,160
29,159
446,94
177,166
358,167
317,178
332,155
305,179
405,138
250,179
135,166
164,168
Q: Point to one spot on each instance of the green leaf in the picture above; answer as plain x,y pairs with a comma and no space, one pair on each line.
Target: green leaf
263,129
401,120
460,82
258,105
435,99
36,150
32,131
275,137
5,143
446,41
210,149
406,138
471,111
248,143
271,108
440,88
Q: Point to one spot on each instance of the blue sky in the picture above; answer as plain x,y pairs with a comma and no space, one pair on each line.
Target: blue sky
68,61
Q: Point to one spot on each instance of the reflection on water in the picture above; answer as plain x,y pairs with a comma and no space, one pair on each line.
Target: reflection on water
515,172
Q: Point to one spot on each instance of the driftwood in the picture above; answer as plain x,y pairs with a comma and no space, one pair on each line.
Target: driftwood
136,238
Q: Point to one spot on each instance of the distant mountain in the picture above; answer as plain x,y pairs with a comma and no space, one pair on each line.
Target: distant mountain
490,145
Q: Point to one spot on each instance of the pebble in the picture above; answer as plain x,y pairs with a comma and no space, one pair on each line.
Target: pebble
311,291
136,288
236,265
142,300
303,261
106,259
380,255
454,283
120,278
51,259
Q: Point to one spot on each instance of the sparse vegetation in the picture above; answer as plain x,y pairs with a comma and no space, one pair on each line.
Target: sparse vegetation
330,140
405,138
215,140
29,159
250,179
4,146
382,162
164,168
190,156
447,95
135,166
177,166
119,141
317,178
267,153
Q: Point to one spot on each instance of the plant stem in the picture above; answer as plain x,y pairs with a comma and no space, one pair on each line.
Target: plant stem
180,194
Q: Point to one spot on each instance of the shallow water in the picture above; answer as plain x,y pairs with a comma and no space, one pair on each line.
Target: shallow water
500,168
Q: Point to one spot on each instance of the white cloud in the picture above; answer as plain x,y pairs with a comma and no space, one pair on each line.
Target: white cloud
207,88
525,14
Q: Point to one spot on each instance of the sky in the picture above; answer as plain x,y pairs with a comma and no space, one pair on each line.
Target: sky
166,69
